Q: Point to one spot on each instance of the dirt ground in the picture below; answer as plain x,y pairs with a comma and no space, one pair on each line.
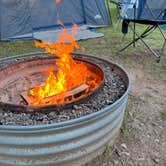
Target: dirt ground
147,143
142,141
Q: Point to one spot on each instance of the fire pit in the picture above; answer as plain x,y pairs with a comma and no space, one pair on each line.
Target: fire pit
16,79
71,132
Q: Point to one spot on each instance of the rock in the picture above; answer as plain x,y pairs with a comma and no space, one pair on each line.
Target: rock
141,124
64,117
154,124
104,164
141,159
109,102
157,140
116,162
76,107
5,114
126,154
148,136
155,131
52,114
156,160
135,124
123,145
1,114
45,118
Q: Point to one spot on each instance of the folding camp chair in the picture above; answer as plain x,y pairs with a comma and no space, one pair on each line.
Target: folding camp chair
146,12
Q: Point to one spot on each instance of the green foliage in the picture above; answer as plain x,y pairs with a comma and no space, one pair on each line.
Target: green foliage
125,127
15,48
107,151
163,114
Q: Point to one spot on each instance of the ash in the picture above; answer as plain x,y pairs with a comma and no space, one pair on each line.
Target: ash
114,87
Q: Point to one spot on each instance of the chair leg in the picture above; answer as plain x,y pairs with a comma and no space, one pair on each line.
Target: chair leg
121,44
149,28
140,37
164,44
152,51
161,32
149,48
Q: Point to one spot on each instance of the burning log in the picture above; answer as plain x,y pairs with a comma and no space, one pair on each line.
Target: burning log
75,92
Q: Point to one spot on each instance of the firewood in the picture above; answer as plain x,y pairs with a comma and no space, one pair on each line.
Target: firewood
75,92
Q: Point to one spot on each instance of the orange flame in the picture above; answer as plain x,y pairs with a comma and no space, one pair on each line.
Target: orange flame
70,73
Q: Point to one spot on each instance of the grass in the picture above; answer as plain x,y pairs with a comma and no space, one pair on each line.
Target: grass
15,48
132,57
125,127
107,151
163,114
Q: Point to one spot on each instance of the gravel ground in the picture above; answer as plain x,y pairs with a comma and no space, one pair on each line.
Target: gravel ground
114,87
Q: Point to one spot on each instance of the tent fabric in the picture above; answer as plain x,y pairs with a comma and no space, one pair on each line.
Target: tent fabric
20,17
82,33
15,17
145,10
153,10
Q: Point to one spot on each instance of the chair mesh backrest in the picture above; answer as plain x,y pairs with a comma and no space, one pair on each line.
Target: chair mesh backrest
145,9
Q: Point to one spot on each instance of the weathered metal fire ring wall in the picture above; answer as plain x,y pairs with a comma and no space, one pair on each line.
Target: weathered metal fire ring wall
69,143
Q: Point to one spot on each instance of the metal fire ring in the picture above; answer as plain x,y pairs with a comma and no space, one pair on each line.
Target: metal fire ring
47,108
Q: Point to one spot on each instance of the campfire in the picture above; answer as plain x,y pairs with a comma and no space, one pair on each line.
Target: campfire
71,80
31,85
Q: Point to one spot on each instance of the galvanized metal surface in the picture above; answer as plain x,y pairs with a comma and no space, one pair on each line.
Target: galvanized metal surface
70,143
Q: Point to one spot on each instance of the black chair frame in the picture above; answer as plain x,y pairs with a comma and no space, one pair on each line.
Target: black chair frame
141,37
152,25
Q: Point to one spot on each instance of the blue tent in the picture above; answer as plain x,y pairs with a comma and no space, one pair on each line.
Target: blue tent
23,17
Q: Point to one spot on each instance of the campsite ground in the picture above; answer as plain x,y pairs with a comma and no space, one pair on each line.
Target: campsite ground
143,136
142,140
